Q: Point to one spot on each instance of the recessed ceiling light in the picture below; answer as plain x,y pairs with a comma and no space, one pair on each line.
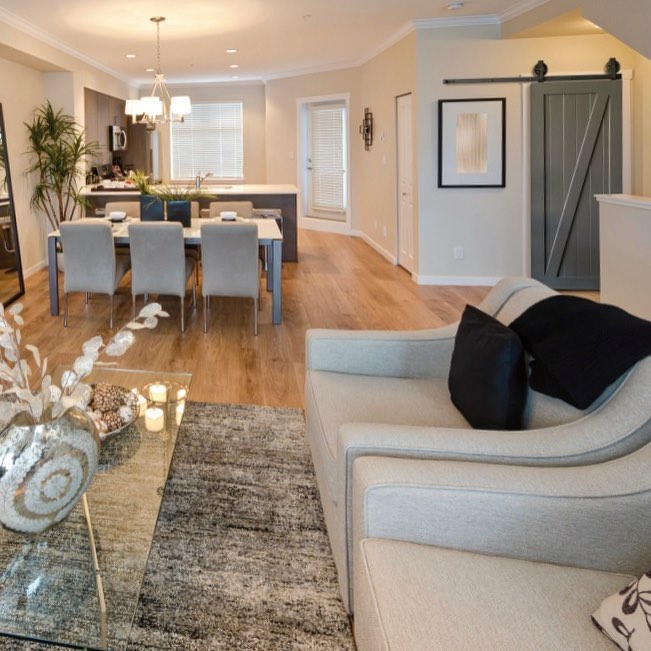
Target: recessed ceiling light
130,56
455,5
234,65
149,70
231,51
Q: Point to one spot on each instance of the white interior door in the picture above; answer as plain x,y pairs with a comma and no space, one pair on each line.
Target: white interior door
405,183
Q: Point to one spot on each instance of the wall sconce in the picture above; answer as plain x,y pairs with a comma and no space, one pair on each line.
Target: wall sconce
366,129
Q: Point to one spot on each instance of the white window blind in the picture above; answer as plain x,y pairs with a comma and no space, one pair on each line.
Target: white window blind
327,157
210,140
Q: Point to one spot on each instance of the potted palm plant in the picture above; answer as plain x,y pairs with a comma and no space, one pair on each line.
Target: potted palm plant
178,200
60,156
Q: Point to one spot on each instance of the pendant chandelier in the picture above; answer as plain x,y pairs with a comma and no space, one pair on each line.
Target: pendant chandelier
160,106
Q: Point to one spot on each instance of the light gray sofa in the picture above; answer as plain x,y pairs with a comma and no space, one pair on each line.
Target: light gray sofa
458,555
370,393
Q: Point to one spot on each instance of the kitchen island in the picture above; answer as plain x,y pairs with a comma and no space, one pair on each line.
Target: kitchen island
282,197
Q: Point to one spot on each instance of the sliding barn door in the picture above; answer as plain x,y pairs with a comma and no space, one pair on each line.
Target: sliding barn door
576,153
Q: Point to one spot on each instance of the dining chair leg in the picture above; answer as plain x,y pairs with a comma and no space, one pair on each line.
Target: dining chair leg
133,306
111,311
87,297
206,299
194,292
182,313
255,317
65,310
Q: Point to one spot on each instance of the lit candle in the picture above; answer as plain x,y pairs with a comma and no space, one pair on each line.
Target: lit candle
154,419
158,392
142,405
180,408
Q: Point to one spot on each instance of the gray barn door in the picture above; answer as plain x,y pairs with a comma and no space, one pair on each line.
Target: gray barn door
576,153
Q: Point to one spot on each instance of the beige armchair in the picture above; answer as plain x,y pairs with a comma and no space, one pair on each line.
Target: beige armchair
489,556
386,393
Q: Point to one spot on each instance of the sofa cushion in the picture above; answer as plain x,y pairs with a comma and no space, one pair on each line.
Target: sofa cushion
338,398
625,617
420,597
488,381
580,347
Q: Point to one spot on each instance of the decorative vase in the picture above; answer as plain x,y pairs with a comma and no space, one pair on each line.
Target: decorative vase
45,469
179,211
151,208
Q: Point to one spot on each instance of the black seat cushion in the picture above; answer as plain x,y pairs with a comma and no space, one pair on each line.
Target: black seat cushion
580,347
487,381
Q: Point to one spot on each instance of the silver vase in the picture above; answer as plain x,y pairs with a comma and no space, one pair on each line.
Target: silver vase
45,469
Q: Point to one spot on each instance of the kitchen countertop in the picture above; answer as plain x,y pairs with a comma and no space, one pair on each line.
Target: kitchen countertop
244,188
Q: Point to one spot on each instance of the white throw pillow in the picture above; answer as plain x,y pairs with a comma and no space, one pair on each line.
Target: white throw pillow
625,617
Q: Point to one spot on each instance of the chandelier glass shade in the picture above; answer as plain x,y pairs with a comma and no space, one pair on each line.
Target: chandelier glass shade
160,106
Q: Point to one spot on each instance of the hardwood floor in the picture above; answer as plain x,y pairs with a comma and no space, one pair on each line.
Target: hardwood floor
339,282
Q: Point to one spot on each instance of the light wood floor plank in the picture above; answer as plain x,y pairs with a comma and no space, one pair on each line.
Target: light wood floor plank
340,282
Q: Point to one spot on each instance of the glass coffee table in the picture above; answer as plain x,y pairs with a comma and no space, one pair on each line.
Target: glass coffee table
50,590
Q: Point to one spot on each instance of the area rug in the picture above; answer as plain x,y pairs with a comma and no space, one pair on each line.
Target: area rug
240,557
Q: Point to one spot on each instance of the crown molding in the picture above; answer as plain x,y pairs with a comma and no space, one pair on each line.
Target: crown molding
29,29
521,8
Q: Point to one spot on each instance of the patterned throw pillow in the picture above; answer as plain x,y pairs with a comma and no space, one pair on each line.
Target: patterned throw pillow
625,617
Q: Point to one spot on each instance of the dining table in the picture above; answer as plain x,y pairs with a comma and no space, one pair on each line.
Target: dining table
269,236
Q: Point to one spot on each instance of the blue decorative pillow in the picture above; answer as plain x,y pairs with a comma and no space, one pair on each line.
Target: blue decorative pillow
488,379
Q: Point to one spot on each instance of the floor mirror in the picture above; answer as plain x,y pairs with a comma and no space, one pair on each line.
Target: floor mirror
11,273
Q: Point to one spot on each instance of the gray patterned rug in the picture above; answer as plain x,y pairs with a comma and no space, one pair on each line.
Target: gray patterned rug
240,558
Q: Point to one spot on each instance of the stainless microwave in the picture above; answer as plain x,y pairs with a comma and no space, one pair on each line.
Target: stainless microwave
117,138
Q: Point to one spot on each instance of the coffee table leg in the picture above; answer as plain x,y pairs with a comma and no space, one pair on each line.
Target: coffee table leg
103,619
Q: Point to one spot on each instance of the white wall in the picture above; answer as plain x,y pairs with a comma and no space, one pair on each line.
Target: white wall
492,224
22,90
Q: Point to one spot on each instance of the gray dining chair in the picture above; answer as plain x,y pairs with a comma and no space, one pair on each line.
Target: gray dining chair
159,264
132,208
242,208
91,264
230,264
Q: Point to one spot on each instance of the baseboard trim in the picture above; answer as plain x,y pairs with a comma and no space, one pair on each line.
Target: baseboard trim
374,245
323,225
34,269
482,281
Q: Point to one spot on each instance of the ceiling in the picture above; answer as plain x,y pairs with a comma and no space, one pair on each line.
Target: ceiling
273,38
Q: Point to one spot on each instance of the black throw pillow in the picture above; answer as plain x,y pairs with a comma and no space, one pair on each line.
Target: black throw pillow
579,346
488,380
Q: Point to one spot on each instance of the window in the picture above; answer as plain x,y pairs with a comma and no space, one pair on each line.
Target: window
327,158
210,140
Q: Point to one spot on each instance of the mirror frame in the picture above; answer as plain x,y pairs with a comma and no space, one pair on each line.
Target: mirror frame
12,216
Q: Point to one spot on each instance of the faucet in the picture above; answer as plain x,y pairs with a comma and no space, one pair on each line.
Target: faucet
200,179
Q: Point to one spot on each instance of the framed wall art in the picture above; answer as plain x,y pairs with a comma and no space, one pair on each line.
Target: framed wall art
472,138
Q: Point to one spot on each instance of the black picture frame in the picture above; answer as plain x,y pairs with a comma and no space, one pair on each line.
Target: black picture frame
472,143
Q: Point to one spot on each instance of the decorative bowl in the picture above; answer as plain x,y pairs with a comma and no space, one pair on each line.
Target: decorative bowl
117,215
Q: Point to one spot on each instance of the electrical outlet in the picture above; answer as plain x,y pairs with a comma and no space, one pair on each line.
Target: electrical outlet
457,253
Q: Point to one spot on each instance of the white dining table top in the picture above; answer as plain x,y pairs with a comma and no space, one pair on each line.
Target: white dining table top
267,228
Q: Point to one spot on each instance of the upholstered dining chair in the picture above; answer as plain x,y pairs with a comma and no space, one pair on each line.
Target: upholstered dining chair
90,260
159,264
230,264
132,208
242,208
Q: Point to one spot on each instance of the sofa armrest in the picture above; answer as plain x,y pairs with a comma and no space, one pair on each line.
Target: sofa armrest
588,516
409,353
